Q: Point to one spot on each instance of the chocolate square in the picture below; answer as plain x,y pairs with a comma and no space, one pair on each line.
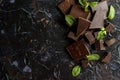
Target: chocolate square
99,45
78,50
110,42
98,20
110,27
107,58
84,63
83,25
64,6
90,37
103,6
77,11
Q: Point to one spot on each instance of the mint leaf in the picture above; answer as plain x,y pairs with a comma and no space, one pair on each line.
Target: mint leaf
101,34
93,57
76,71
70,20
111,13
93,4
82,2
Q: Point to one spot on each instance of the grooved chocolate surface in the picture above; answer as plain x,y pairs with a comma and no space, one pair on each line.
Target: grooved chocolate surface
78,50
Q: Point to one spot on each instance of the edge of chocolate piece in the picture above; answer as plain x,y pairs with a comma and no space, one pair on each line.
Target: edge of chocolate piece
78,50
72,2
98,20
110,28
72,36
110,42
83,25
99,45
103,6
107,58
90,37
64,6
77,11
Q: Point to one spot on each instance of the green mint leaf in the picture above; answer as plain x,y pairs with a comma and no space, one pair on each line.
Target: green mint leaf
101,34
111,13
93,4
82,2
70,20
86,7
93,57
76,71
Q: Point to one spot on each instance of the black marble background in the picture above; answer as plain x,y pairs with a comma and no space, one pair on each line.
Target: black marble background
33,40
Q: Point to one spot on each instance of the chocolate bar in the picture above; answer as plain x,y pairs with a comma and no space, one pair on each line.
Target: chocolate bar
90,37
78,50
110,42
83,25
99,45
107,58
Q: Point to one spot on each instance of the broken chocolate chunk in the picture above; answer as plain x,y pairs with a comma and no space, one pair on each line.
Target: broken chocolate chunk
110,42
110,28
64,6
84,63
107,58
90,37
98,20
77,12
83,25
99,45
103,6
72,36
78,50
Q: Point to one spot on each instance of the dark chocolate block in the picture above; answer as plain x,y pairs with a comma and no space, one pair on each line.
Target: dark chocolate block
107,58
110,28
90,37
103,6
110,42
64,6
98,20
99,45
77,11
83,25
78,50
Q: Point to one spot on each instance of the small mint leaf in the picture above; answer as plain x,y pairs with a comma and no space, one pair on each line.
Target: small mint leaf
93,57
82,2
93,4
70,20
76,71
111,13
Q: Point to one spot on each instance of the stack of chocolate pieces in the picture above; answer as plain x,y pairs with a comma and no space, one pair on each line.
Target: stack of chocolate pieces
87,29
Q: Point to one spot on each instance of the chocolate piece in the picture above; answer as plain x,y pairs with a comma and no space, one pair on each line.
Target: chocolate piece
78,50
64,6
83,25
72,2
99,45
107,58
110,42
90,37
72,36
84,63
110,28
103,6
77,12
98,20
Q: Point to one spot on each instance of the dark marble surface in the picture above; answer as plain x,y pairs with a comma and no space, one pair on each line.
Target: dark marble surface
33,41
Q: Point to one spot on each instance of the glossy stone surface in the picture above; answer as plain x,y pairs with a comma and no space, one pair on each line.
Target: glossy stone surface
33,48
